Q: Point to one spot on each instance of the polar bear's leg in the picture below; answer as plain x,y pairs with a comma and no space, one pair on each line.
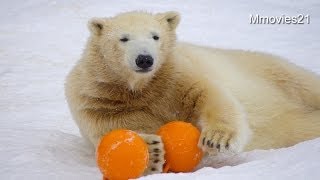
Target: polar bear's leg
299,84
287,129
295,126
305,86
307,126
223,121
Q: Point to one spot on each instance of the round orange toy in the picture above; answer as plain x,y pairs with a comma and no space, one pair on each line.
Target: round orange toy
122,154
181,145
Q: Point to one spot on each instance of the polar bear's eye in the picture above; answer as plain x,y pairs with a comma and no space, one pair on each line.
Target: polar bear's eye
155,37
125,39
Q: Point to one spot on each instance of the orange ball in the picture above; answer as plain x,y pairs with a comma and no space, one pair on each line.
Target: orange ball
181,146
122,154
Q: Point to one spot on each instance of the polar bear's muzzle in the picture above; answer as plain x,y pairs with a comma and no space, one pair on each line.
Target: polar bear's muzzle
141,55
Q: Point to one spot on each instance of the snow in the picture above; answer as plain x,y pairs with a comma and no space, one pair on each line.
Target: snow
289,163
40,40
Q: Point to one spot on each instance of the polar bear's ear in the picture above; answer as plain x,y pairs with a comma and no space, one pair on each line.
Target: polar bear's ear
96,25
170,18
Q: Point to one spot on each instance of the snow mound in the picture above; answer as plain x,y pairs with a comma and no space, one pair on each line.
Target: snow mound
301,161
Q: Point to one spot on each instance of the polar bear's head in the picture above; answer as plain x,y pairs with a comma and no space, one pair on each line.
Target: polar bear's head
134,45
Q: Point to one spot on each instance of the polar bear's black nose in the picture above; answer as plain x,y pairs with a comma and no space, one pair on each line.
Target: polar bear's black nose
144,61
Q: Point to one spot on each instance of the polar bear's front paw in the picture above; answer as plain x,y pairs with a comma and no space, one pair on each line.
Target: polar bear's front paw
156,153
220,138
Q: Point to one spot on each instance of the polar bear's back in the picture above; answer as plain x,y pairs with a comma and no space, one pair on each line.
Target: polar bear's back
274,93
243,73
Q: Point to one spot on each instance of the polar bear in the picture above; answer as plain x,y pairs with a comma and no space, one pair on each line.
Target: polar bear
134,74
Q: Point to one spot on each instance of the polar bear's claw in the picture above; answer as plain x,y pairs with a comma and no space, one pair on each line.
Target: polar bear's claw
156,153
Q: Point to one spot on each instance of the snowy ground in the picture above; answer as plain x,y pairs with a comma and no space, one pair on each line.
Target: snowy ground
41,40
